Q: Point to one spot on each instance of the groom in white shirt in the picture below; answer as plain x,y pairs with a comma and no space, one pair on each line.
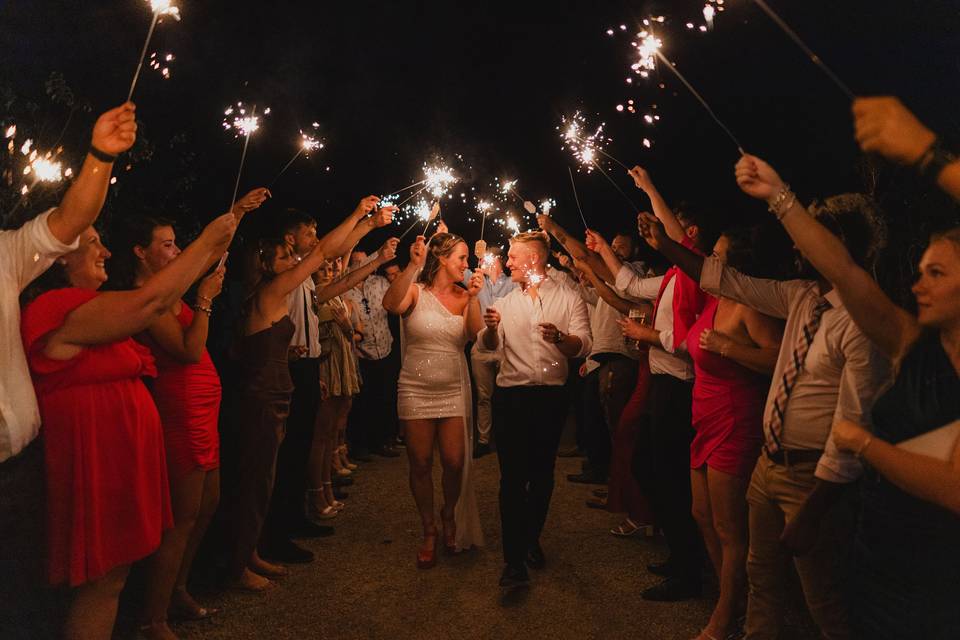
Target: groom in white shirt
534,330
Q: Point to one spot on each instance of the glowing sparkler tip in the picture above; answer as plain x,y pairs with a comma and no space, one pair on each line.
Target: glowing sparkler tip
11,131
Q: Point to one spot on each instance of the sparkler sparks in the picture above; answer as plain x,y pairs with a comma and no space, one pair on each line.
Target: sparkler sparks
309,143
160,8
11,131
547,204
243,124
44,169
439,179
585,148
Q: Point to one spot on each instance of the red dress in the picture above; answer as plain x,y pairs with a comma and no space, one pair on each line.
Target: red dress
188,399
624,494
727,411
107,494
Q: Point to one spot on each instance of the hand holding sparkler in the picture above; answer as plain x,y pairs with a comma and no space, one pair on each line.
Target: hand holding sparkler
883,125
384,216
758,179
442,227
388,251
475,284
550,333
595,242
116,130
491,318
365,206
641,179
651,230
418,251
249,202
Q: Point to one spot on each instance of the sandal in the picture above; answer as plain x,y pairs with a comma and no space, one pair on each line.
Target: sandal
315,511
427,555
183,608
626,529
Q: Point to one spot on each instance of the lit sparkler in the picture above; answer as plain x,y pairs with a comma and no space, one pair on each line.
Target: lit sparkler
159,8
439,180
546,205
10,132
586,148
242,124
44,169
308,144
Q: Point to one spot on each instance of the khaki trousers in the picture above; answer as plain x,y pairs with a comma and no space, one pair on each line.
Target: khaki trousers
775,496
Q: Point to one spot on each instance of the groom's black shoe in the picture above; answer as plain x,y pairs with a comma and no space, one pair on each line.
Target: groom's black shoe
514,577
535,557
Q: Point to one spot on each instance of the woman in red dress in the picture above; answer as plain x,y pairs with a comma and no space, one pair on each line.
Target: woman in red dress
734,350
187,394
107,494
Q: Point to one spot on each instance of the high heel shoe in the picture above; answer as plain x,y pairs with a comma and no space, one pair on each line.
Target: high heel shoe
334,503
449,536
427,555
345,460
314,510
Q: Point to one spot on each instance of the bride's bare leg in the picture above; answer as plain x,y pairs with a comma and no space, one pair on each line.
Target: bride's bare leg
420,437
452,456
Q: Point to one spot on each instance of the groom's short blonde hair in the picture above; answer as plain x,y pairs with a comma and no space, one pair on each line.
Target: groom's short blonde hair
539,238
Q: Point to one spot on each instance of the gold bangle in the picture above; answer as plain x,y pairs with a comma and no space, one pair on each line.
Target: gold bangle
783,202
206,310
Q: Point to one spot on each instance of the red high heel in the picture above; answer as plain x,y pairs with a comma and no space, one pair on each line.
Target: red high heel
449,537
427,555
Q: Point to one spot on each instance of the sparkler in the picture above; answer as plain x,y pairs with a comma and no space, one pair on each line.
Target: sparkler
807,50
585,147
422,212
159,8
546,205
243,125
483,207
577,198
308,144
439,180
42,168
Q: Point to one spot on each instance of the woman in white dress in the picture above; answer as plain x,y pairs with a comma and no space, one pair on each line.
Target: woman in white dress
434,402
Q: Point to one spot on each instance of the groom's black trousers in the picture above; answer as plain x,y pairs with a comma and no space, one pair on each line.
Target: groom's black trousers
527,423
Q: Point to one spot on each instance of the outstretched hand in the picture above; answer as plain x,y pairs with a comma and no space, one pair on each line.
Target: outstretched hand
418,251
367,205
641,179
651,229
885,126
757,179
250,201
595,242
116,130
389,250
384,215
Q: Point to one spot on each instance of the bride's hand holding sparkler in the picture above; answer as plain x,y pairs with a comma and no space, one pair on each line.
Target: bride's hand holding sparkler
418,251
651,229
883,125
116,130
758,179
475,284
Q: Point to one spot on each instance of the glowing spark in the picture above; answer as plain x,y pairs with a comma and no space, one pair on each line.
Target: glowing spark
243,124
68,173
583,147
488,260
533,278
647,49
25,149
708,13
45,170
507,186
11,131
165,8
513,225
309,143
438,180
24,190
547,204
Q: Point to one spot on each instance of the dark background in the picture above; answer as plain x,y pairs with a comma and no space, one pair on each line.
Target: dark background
395,84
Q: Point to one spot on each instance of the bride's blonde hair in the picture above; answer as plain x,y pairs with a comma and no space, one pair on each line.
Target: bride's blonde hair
441,245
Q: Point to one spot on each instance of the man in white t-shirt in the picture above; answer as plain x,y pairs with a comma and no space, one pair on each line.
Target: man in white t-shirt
25,253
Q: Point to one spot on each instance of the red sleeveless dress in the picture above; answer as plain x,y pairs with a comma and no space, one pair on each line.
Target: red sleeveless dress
108,498
188,399
728,402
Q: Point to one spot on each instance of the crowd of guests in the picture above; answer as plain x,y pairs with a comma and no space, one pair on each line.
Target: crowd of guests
759,406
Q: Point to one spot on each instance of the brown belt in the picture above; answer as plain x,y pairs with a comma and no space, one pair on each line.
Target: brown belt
787,457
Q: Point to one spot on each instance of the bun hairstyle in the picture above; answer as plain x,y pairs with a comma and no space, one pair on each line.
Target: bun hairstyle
441,245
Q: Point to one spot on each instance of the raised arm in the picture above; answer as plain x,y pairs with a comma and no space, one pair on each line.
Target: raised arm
611,262
381,218
883,125
333,243
115,315
401,297
891,328
578,250
604,291
663,212
354,277
114,132
186,345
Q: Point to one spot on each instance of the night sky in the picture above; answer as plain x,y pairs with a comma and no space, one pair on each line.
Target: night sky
395,84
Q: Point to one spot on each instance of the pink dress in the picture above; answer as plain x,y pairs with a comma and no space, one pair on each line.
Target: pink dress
188,399
728,402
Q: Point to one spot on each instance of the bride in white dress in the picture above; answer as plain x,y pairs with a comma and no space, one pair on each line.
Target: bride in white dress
434,401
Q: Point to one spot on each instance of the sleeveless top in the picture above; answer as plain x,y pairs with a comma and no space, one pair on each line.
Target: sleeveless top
908,549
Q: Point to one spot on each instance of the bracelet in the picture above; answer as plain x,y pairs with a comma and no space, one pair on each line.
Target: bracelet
203,309
783,202
559,337
209,301
863,448
934,160
102,156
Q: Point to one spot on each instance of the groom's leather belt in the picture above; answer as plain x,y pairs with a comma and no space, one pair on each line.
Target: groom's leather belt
787,457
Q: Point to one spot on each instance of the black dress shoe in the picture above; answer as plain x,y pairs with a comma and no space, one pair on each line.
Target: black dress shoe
285,551
586,478
342,481
514,577
535,557
307,529
673,590
386,452
662,569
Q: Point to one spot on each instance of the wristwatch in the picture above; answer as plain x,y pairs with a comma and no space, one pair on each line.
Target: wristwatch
934,159
559,337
